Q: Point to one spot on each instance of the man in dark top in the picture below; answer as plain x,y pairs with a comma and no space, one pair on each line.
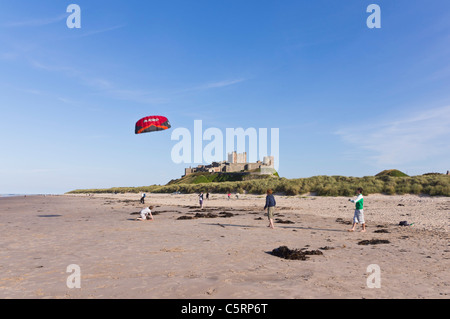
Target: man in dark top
270,205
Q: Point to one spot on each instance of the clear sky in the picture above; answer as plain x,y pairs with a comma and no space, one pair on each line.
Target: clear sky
348,100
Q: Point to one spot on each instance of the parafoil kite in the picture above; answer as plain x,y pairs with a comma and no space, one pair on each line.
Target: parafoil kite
152,124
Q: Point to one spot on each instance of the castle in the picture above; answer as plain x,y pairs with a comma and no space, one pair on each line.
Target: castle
235,163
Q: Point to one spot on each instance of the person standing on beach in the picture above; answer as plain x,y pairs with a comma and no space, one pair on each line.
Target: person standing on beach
146,214
200,199
143,198
359,211
270,205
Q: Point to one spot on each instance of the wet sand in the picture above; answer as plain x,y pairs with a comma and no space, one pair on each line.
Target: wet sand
224,250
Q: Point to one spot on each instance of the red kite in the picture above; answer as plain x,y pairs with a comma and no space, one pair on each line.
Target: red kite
152,124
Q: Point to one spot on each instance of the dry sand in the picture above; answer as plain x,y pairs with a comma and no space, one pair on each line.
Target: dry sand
215,258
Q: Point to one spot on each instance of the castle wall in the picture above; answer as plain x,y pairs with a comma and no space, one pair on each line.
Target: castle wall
236,163
252,166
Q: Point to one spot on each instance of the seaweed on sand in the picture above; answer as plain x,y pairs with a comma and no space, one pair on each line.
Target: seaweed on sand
374,242
281,221
185,217
294,254
382,231
291,254
226,214
345,222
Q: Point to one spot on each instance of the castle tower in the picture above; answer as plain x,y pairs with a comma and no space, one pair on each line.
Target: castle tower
235,158
269,161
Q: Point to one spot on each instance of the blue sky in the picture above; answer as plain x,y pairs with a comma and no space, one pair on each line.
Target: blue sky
348,100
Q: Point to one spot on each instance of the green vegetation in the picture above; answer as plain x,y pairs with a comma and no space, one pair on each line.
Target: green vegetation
202,177
435,185
392,172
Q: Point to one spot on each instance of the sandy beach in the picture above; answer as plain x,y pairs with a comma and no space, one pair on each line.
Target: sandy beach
224,250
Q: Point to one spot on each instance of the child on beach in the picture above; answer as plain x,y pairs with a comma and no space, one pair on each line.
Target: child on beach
359,211
143,198
270,205
146,214
200,199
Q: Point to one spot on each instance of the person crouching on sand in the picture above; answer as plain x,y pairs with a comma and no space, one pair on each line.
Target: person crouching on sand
146,214
270,205
359,211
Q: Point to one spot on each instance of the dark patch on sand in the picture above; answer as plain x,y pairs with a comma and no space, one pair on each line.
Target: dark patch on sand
49,216
203,210
341,221
313,252
291,254
281,221
185,217
374,242
382,231
294,254
226,214
208,215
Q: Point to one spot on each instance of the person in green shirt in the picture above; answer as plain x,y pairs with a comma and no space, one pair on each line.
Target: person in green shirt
359,211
